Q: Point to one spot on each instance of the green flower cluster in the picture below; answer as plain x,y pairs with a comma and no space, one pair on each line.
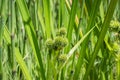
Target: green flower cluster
62,58
116,47
115,25
59,42
49,43
115,35
61,32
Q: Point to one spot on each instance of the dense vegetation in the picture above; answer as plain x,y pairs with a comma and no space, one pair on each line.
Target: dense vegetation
59,39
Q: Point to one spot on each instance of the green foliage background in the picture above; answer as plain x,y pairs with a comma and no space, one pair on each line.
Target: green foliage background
59,39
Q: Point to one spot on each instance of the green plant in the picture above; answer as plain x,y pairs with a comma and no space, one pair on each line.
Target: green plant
59,40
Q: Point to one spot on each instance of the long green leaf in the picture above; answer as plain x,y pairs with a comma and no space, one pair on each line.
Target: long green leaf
93,15
72,19
105,26
77,45
118,68
7,35
22,64
17,55
31,34
46,4
2,24
41,19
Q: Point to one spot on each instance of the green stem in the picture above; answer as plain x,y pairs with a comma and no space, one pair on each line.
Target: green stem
118,69
1,72
49,65
83,47
71,21
105,26
2,24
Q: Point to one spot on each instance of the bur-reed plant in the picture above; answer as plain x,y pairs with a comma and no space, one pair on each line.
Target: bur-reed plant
59,40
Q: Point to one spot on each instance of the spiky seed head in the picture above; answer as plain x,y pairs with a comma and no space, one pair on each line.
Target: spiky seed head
118,57
116,46
49,43
62,32
60,42
62,57
115,25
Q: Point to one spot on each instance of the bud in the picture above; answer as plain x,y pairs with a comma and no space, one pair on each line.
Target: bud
114,25
62,32
62,58
116,46
60,42
49,43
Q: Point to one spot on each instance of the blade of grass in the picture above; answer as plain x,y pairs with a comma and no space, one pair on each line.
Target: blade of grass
62,11
31,34
59,14
71,21
70,53
22,64
41,19
51,20
105,26
7,35
17,55
88,4
77,22
118,65
2,24
102,11
1,32
119,7
46,6
93,15
118,68
11,26
20,34
103,76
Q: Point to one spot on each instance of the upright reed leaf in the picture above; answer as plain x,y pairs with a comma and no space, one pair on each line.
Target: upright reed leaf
46,4
91,22
22,64
31,34
105,26
71,21
2,24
